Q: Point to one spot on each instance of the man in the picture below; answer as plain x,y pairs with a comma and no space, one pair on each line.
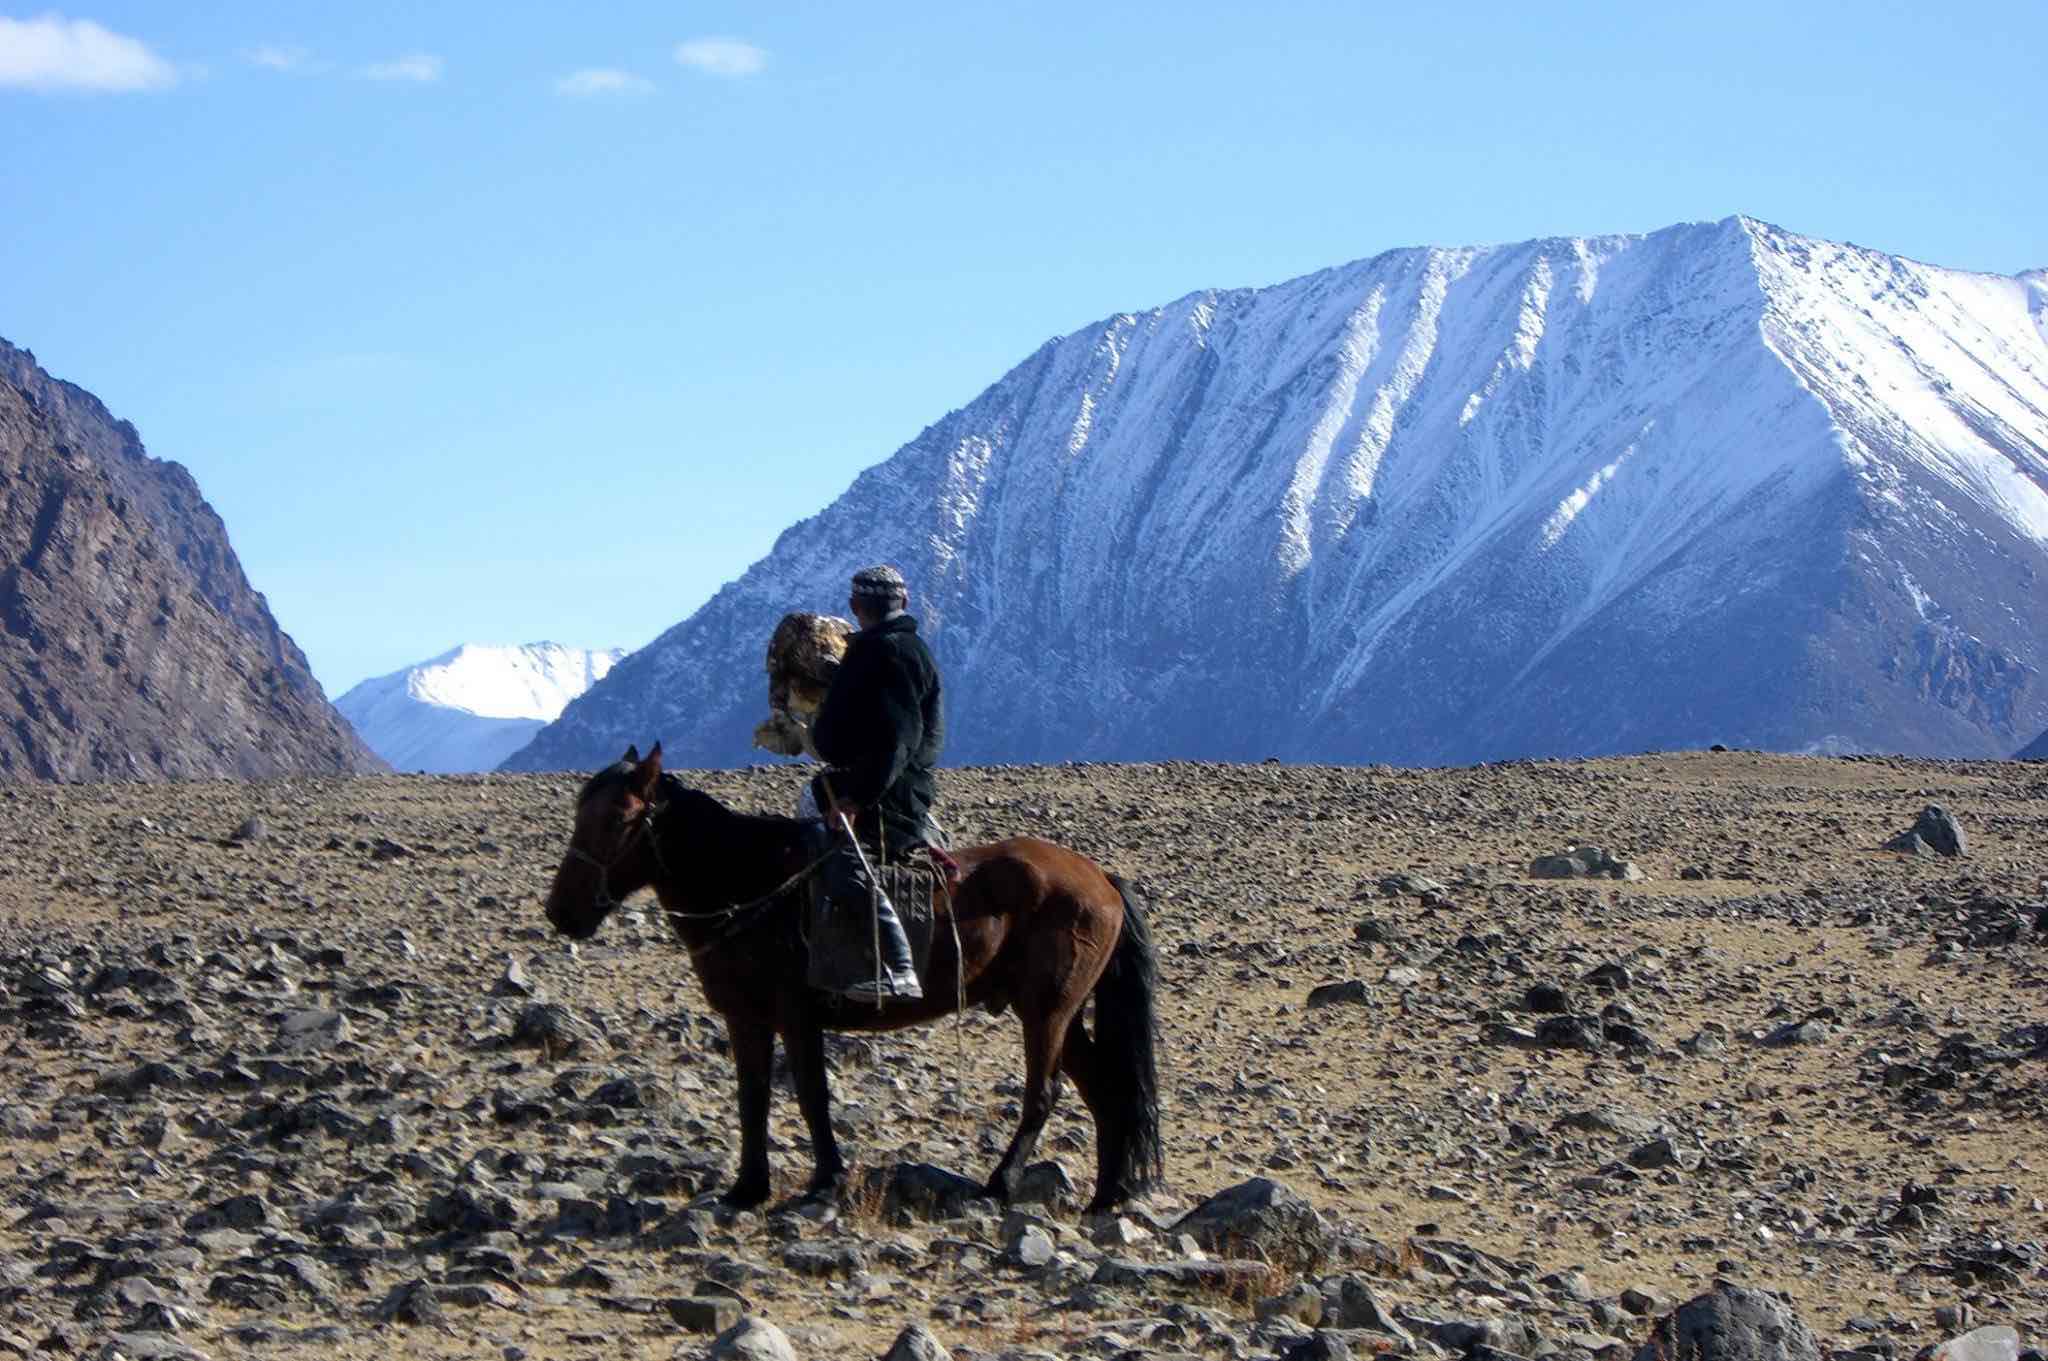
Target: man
879,730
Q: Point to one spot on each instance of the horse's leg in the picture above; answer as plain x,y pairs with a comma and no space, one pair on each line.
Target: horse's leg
753,1054
1078,1061
1043,1038
804,1041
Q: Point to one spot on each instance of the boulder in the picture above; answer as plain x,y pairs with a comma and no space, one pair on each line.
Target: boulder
1262,1217
1350,992
1583,862
1730,1323
917,1343
1935,832
752,1339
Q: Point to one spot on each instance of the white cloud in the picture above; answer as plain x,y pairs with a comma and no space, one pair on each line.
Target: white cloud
414,66
722,56
596,81
51,52
275,57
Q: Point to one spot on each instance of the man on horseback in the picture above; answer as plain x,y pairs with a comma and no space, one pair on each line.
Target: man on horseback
879,730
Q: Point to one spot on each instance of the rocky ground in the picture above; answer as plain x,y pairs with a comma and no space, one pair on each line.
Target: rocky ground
324,1084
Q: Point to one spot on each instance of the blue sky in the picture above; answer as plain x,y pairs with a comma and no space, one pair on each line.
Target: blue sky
518,321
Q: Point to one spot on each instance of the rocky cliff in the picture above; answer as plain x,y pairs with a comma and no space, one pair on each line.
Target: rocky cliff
131,644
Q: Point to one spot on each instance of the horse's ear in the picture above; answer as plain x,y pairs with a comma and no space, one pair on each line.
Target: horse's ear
647,774
632,756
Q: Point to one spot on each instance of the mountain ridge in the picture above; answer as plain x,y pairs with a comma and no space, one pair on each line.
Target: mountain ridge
1462,504
132,645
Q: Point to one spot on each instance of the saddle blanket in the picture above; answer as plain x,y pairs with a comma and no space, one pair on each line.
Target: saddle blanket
841,939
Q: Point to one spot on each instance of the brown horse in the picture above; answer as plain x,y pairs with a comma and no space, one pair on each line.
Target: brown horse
1041,929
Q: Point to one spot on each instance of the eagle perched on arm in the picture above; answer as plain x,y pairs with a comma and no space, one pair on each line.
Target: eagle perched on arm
803,654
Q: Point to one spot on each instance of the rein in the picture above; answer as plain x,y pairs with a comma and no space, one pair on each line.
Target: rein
736,917
733,915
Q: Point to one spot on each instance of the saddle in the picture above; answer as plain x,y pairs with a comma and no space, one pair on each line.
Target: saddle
840,938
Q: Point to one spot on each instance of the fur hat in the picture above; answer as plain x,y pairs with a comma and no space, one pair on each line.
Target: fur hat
880,583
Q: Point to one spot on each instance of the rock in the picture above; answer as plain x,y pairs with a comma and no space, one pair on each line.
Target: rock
149,1346
513,982
1260,1216
1403,976
1411,885
917,1343
1664,1153
1030,1246
385,848
144,1078
704,1313
752,1339
923,1191
1373,931
1117,1231
1935,830
1220,1277
1046,1183
829,1259
1954,1318
1546,999
1641,1303
312,1031
1583,862
236,1212
1570,1032
468,1211
1349,1302
251,830
1730,1323
1318,1346
1797,1032
551,1028
1611,976
1350,992
1304,1304
1981,1344
413,1302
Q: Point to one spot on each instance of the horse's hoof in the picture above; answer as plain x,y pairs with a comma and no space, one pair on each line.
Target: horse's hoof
826,1189
744,1195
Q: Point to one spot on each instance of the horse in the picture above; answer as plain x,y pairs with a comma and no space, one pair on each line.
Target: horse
1040,929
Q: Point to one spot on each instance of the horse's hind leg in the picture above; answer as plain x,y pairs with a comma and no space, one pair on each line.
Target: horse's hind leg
804,1042
1079,1061
1043,1038
753,1054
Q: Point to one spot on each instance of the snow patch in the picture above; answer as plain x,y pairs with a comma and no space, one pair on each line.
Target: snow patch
1568,509
472,706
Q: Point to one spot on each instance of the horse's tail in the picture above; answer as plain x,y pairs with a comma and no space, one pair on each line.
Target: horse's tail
1132,1154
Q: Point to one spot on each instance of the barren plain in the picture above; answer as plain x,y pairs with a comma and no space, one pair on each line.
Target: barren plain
325,1084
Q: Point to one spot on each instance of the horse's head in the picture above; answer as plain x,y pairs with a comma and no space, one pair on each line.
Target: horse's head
608,857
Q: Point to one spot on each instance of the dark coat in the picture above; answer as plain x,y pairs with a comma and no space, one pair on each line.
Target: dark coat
881,728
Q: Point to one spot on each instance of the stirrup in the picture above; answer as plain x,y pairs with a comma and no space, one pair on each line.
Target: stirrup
891,989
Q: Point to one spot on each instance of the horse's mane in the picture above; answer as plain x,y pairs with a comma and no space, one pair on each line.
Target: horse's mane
695,805
702,807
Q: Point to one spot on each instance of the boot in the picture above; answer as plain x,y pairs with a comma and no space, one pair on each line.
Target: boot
898,981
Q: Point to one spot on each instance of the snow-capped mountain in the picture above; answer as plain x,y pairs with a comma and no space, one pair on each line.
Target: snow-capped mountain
470,708
1719,483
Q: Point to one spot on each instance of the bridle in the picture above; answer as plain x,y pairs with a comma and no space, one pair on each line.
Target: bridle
641,824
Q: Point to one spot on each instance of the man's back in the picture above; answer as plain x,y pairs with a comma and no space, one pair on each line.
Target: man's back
882,726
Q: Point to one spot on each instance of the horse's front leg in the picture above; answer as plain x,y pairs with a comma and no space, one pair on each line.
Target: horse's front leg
803,1039
753,1054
